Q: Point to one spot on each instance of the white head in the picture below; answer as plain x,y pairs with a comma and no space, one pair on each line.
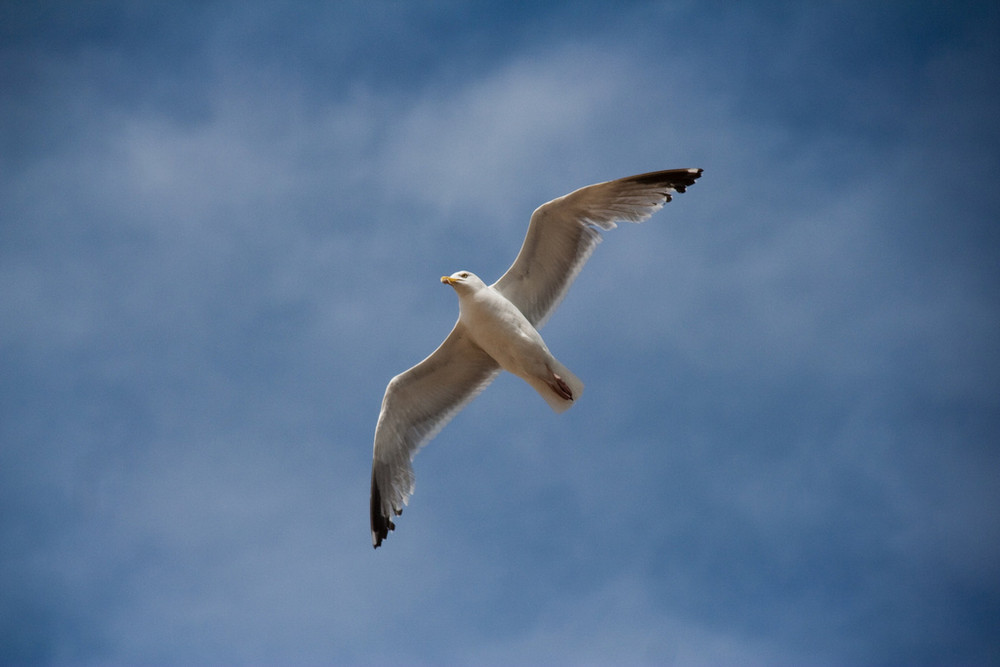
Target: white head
464,281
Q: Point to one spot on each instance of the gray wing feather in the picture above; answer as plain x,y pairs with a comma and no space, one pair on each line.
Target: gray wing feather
564,232
417,404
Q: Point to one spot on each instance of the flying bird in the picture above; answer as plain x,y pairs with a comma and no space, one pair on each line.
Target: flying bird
497,329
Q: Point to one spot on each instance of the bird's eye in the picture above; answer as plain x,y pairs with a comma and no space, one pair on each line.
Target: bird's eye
464,274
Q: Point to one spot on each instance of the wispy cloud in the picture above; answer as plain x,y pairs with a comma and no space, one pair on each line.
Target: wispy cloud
222,239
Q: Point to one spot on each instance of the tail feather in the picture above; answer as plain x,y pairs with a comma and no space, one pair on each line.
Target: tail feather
555,401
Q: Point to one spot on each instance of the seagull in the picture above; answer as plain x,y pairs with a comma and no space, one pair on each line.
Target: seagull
497,329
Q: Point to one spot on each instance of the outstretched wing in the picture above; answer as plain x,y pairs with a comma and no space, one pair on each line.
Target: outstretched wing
417,404
564,232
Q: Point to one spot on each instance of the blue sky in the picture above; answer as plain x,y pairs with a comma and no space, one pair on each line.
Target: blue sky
221,231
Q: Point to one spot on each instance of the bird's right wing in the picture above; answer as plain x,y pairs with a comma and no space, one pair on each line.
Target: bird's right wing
417,404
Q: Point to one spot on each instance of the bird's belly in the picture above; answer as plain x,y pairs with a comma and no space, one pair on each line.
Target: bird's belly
510,339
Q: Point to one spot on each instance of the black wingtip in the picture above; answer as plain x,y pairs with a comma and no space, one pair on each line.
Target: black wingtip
381,524
677,179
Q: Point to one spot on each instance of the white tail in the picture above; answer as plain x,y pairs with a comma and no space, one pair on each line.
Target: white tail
555,401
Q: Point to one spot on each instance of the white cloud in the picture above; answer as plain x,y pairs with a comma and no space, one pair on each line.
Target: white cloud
206,308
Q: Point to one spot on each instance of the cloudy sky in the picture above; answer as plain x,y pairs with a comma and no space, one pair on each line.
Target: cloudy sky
221,230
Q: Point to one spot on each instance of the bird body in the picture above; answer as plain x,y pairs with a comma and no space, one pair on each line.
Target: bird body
505,334
497,329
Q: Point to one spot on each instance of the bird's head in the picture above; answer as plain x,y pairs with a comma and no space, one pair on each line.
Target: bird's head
463,281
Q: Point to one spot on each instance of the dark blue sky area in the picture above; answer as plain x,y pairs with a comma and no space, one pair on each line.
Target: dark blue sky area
221,231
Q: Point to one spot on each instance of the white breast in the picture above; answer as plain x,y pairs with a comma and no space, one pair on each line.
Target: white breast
497,326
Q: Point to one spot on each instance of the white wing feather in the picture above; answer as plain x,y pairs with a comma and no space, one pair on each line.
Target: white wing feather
564,232
417,404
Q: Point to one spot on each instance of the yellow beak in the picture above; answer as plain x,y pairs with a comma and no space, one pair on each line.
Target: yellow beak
447,280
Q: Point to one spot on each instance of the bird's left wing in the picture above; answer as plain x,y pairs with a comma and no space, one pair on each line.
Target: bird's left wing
563,233
417,404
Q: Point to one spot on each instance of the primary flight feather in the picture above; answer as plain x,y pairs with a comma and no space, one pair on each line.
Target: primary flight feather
497,328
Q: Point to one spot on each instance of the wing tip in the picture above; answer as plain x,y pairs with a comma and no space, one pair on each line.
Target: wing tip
693,175
381,524
676,180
